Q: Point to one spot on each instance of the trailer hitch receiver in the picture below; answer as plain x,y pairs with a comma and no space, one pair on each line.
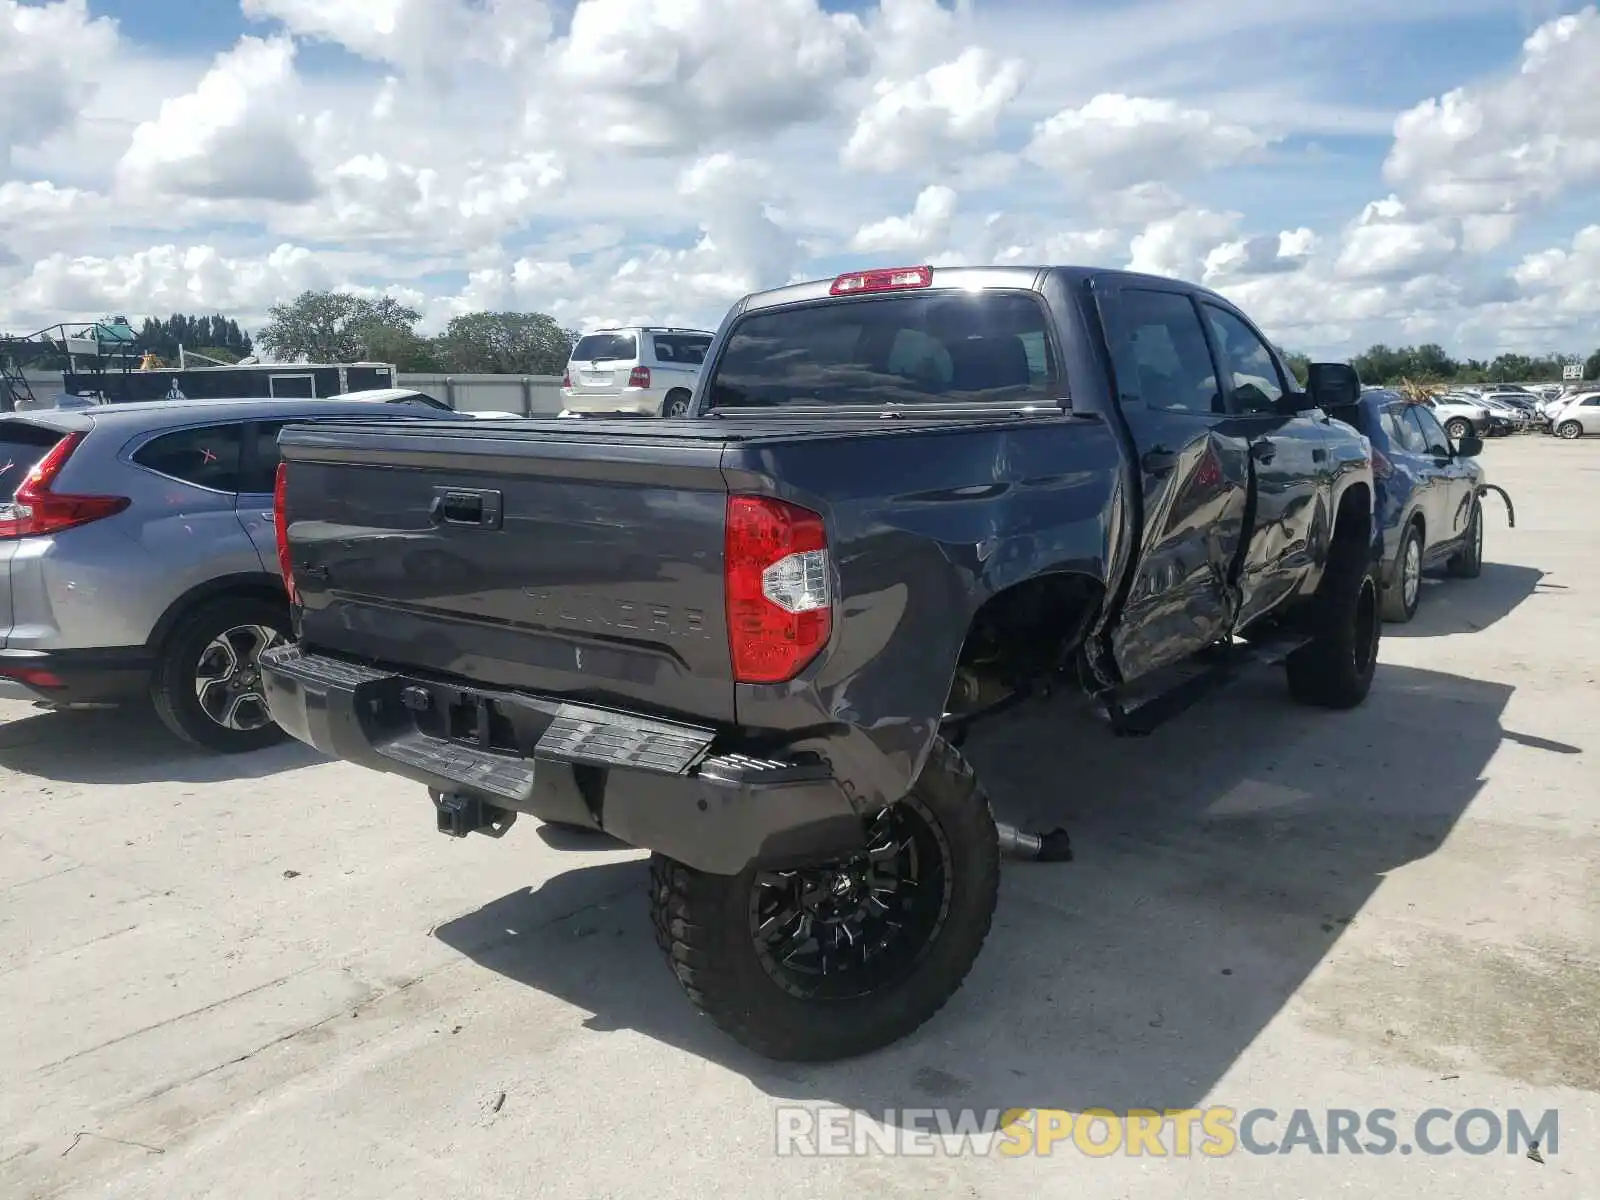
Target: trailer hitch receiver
460,814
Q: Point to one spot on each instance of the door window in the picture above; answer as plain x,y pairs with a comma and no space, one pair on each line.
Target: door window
1255,384
1164,348
1434,439
1406,432
207,457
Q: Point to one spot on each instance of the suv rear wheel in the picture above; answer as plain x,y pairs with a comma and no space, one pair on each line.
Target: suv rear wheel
207,686
676,404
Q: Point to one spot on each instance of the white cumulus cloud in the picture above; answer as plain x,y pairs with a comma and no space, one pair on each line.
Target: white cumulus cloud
235,137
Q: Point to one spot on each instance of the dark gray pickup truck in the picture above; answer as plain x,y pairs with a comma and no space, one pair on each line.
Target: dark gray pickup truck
750,640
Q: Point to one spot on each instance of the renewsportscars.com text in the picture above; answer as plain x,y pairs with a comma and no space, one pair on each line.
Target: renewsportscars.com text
1214,1132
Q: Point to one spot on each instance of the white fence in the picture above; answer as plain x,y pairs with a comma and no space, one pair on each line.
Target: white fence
530,395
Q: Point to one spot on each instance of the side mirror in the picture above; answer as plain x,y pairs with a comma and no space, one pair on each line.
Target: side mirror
1333,385
1469,447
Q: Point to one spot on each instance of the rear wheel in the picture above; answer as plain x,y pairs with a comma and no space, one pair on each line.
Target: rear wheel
1569,430
836,961
1400,600
676,404
1468,562
1458,428
207,686
1335,669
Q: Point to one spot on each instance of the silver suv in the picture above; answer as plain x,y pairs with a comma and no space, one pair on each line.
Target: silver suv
138,559
643,370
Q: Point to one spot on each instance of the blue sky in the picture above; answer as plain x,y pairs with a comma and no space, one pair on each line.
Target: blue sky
618,159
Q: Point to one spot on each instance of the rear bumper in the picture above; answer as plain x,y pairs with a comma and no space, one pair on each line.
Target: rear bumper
97,676
651,784
631,401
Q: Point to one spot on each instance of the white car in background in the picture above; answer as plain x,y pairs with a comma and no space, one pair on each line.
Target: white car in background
1580,415
638,370
1460,416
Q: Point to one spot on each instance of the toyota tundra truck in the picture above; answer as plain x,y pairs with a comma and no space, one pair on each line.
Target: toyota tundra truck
749,639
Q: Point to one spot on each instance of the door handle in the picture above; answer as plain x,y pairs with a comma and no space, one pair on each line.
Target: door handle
465,506
1158,461
1263,452
1319,455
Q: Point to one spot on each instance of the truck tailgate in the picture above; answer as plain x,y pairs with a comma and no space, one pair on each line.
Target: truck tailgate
536,557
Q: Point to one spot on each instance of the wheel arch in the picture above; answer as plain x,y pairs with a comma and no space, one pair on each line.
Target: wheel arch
259,585
1032,626
1356,518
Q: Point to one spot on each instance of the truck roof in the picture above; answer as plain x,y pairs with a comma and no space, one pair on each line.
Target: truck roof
1029,277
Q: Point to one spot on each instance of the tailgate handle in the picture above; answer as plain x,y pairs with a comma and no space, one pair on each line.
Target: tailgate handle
465,506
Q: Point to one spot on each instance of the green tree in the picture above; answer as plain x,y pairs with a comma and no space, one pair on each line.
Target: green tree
215,336
401,346
1591,368
1300,364
335,327
511,343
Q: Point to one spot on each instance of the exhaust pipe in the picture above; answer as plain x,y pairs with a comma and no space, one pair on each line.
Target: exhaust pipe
1055,846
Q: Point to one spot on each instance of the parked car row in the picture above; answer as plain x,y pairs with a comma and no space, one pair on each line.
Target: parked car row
1504,409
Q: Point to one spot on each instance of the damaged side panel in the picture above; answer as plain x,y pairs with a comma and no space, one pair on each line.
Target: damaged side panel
1185,590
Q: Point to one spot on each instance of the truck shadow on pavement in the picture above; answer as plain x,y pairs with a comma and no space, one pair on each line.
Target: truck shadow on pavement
1467,605
128,746
1219,862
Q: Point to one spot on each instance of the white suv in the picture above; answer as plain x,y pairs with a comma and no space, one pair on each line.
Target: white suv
644,370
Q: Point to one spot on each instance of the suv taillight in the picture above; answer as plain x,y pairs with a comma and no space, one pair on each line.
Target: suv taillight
639,377
280,529
776,576
566,378
35,509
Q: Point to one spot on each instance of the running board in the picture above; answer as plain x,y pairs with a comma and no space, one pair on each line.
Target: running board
1137,712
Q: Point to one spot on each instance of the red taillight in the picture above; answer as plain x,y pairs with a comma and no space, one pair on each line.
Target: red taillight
35,509
280,529
36,677
639,377
566,379
891,279
776,576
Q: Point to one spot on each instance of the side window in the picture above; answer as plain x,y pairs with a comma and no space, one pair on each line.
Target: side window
1255,384
260,476
1164,346
1433,434
1408,433
207,457
681,349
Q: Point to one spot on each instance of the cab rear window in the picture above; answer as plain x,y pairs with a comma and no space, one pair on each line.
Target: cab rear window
931,348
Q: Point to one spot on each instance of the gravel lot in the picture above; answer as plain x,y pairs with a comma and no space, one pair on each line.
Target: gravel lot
269,977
